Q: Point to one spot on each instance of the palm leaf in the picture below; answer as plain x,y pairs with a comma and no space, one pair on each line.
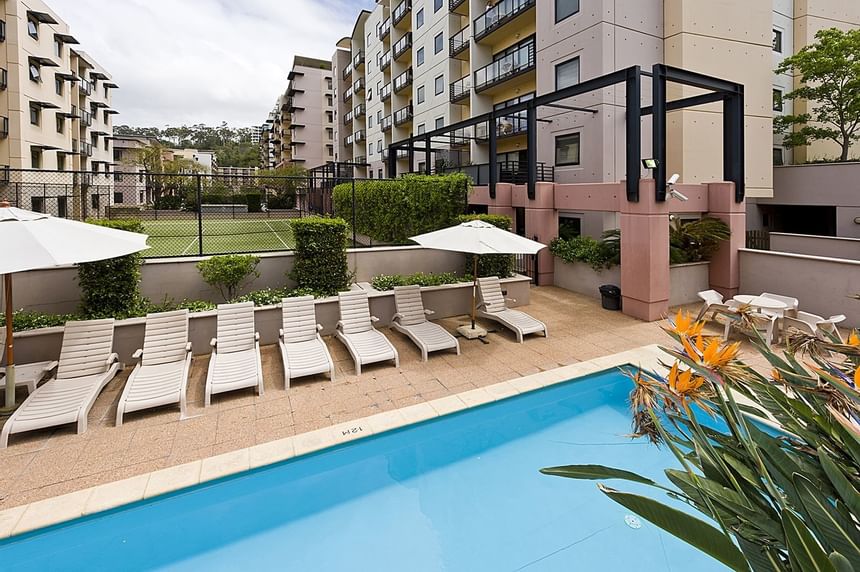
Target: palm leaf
804,552
596,472
835,529
841,484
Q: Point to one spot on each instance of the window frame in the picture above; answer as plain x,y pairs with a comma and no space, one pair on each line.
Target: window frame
778,100
558,66
419,18
33,28
439,84
437,5
572,135
35,115
438,42
573,13
419,57
420,95
776,40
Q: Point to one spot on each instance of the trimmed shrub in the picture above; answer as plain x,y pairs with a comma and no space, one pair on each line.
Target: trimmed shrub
228,273
697,240
111,288
255,202
25,320
167,203
391,211
501,265
320,264
389,281
599,254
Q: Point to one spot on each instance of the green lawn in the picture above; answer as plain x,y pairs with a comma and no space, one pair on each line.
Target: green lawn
179,237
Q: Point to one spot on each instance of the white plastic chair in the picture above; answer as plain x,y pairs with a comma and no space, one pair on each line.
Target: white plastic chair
355,329
26,374
815,325
712,301
492,306
411,320
302,348
235,362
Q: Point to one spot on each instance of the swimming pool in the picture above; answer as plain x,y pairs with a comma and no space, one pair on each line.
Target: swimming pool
461,492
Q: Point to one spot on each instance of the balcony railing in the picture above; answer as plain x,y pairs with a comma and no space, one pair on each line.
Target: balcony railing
403,81
499,15
347,71
85,87
507,126
402,45
403,115
513,172
358,86
4,127
511,65
386,123
460,89
384,29
400,11
86,149
454,4
385,61
347,141
347,95
400,154
358,59
360,135
359,111
86,118
360,160
4,78
385,92
459,42
347,118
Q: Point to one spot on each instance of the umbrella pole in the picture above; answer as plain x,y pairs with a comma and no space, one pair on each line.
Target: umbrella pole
474,287
10,350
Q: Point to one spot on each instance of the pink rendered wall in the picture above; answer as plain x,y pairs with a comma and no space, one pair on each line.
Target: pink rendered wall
725,268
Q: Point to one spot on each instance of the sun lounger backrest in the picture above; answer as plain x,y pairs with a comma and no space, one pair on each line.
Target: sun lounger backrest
491,294
166,337
299,319
235,327
407,300
354,311
87,345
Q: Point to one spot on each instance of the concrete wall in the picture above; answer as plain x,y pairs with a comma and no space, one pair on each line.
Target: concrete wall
828,246
56,290
823,285
445,301
686,281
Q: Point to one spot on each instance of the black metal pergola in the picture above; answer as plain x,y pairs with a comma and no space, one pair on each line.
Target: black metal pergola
731,95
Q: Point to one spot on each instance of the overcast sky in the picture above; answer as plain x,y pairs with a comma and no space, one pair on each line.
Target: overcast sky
203,61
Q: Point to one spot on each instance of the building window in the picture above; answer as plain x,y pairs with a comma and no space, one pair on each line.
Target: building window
329,133
565,9
567,73
777,41
778,156
35,158
330,150
419,56
419,18
379,116
58,48
440,122
437,5
379,174
58,86
569,227
35,115
117,198
33,28
37,204
329,116
371,174
107,144
328,100
421,129
61,163
422,166
379,148
437,43
567,149
420,94
62,207
61,123
94,202
105,117
777,99
107,91
439,85
328,83
35,73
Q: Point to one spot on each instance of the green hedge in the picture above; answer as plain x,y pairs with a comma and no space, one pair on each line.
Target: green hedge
391,211
501,265
111,288
599,254
320,263
389,281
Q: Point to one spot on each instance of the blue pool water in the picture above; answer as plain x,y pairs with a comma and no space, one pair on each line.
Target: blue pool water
461,492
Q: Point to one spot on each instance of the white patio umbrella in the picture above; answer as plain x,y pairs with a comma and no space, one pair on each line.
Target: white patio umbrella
477,237
35,240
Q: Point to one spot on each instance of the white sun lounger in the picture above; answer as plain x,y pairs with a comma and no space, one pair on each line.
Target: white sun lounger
86,365
235,362
26,374
162,374
492,306
411,319
355,329
302,348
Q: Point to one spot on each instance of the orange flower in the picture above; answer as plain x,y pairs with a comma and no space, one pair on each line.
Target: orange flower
684,383
854,339
857,378
684,325
776,375
717,355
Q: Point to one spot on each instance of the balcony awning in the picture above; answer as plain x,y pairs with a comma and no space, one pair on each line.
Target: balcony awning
111,111
98,75
66,38
42,17
100,104
100,133
294,74
67,76
44,105
45,147
42,61
111,85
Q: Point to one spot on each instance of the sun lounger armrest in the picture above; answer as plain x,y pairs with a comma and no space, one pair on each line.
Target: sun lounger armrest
374,319
213,342
429,312
112,359
137,354
281,333
396,317
480,305
256,336
319,327
339,325
514,300
188,347
52,365
834,319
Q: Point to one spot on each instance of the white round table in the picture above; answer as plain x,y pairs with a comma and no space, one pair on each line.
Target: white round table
760,302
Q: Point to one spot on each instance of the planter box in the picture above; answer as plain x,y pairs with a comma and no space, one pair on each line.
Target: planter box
686,281
447,301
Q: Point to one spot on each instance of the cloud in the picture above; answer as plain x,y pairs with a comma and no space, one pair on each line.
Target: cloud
204,61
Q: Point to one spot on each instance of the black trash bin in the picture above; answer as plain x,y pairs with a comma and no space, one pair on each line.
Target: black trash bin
610,297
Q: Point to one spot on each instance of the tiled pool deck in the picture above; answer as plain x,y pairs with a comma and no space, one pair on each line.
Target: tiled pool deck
48,463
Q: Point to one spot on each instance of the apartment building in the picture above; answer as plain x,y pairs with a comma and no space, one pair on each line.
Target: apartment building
204,158
256,131
309,101
129,187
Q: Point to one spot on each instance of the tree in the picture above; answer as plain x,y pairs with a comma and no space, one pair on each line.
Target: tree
830,72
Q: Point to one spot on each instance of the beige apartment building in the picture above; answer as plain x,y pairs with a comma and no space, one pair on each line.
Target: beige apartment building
55,113
129,172
412,66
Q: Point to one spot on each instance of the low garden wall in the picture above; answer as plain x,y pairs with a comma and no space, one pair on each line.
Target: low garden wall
56,290
828,246
446,301
685,280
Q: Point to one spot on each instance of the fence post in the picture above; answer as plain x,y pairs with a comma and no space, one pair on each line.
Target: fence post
353,211
199,216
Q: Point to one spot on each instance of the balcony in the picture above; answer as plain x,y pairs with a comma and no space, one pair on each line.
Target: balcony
4,127
360,160
454,5
507,126
347,141
507,67
360,135
358,86
459,44
386,123
292,105
385,92
86,149
403,81
459,90
75,146
384,29
401,11
85,87
402,46
347,118
499,15
385,61
359,111
403,115
4,78
86,118
347,95
347,71
400,154
358,59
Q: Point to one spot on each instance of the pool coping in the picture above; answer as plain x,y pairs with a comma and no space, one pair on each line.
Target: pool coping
55,510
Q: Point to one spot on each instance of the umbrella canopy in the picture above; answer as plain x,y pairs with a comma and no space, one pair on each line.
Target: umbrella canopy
478,237
35,240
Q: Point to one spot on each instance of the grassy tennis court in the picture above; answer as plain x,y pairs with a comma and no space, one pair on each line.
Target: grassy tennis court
180,237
